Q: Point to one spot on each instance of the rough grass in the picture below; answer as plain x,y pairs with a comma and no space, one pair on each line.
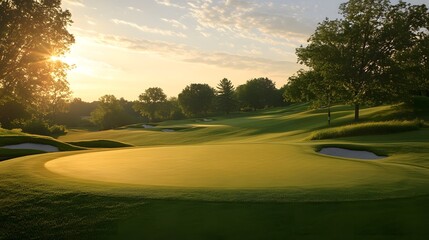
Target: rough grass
368,128
100,144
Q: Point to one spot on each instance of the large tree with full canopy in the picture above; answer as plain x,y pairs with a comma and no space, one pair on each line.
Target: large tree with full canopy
196,99
368,52
151,102
31,33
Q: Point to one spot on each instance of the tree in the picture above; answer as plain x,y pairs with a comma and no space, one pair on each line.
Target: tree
225,96
109,113
31,32
297,89
151,102
364,52
196,99
258,93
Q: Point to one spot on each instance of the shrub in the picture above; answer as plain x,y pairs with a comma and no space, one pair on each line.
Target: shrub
40,127
368,128
57,130
34,126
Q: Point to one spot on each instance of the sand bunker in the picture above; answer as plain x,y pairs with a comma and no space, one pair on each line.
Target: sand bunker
147,126
341,152
33,146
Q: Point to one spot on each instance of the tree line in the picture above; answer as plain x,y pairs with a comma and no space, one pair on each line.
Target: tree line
195,100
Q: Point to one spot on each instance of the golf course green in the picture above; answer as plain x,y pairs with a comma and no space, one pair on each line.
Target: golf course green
245,176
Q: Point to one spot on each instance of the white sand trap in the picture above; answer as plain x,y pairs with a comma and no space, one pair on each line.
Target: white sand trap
33,146
341,152
147,126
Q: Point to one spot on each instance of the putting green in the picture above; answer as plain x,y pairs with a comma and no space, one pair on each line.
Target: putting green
236,166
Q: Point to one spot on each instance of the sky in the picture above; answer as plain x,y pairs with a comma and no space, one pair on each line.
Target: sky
124,47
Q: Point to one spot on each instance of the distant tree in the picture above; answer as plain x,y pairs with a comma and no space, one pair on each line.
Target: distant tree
109,113
31,32
258,93
196,99
170,110
151,102
77,113
225,96
130,114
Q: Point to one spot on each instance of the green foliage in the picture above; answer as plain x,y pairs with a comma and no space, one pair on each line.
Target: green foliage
368,52
151,103
77,114
368,128
196,99
109,113
31,32
258,93
11,110
225,96
100,144
40,127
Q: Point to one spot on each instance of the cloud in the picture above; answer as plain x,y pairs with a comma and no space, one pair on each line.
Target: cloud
78,3
175,23
189,54
260,21
147,29
135,9
168,3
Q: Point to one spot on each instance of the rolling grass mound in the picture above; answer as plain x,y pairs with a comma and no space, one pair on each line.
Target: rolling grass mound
100,144
11,137
368,128
18,139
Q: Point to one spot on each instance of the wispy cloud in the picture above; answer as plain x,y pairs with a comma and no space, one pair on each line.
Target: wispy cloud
78,3
260,21
175,23
189,54
168,3
147,29
135,9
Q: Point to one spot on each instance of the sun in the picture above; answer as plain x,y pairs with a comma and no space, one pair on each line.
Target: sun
64,59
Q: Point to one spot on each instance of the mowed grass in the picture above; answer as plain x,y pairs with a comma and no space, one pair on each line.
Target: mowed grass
201,182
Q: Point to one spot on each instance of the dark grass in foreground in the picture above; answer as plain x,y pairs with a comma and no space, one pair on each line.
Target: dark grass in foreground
31,214
6,154
368,128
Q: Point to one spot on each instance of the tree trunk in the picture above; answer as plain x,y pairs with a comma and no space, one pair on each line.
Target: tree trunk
356,112
329,116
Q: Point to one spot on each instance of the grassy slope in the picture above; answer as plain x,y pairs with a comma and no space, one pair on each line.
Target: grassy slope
40,200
